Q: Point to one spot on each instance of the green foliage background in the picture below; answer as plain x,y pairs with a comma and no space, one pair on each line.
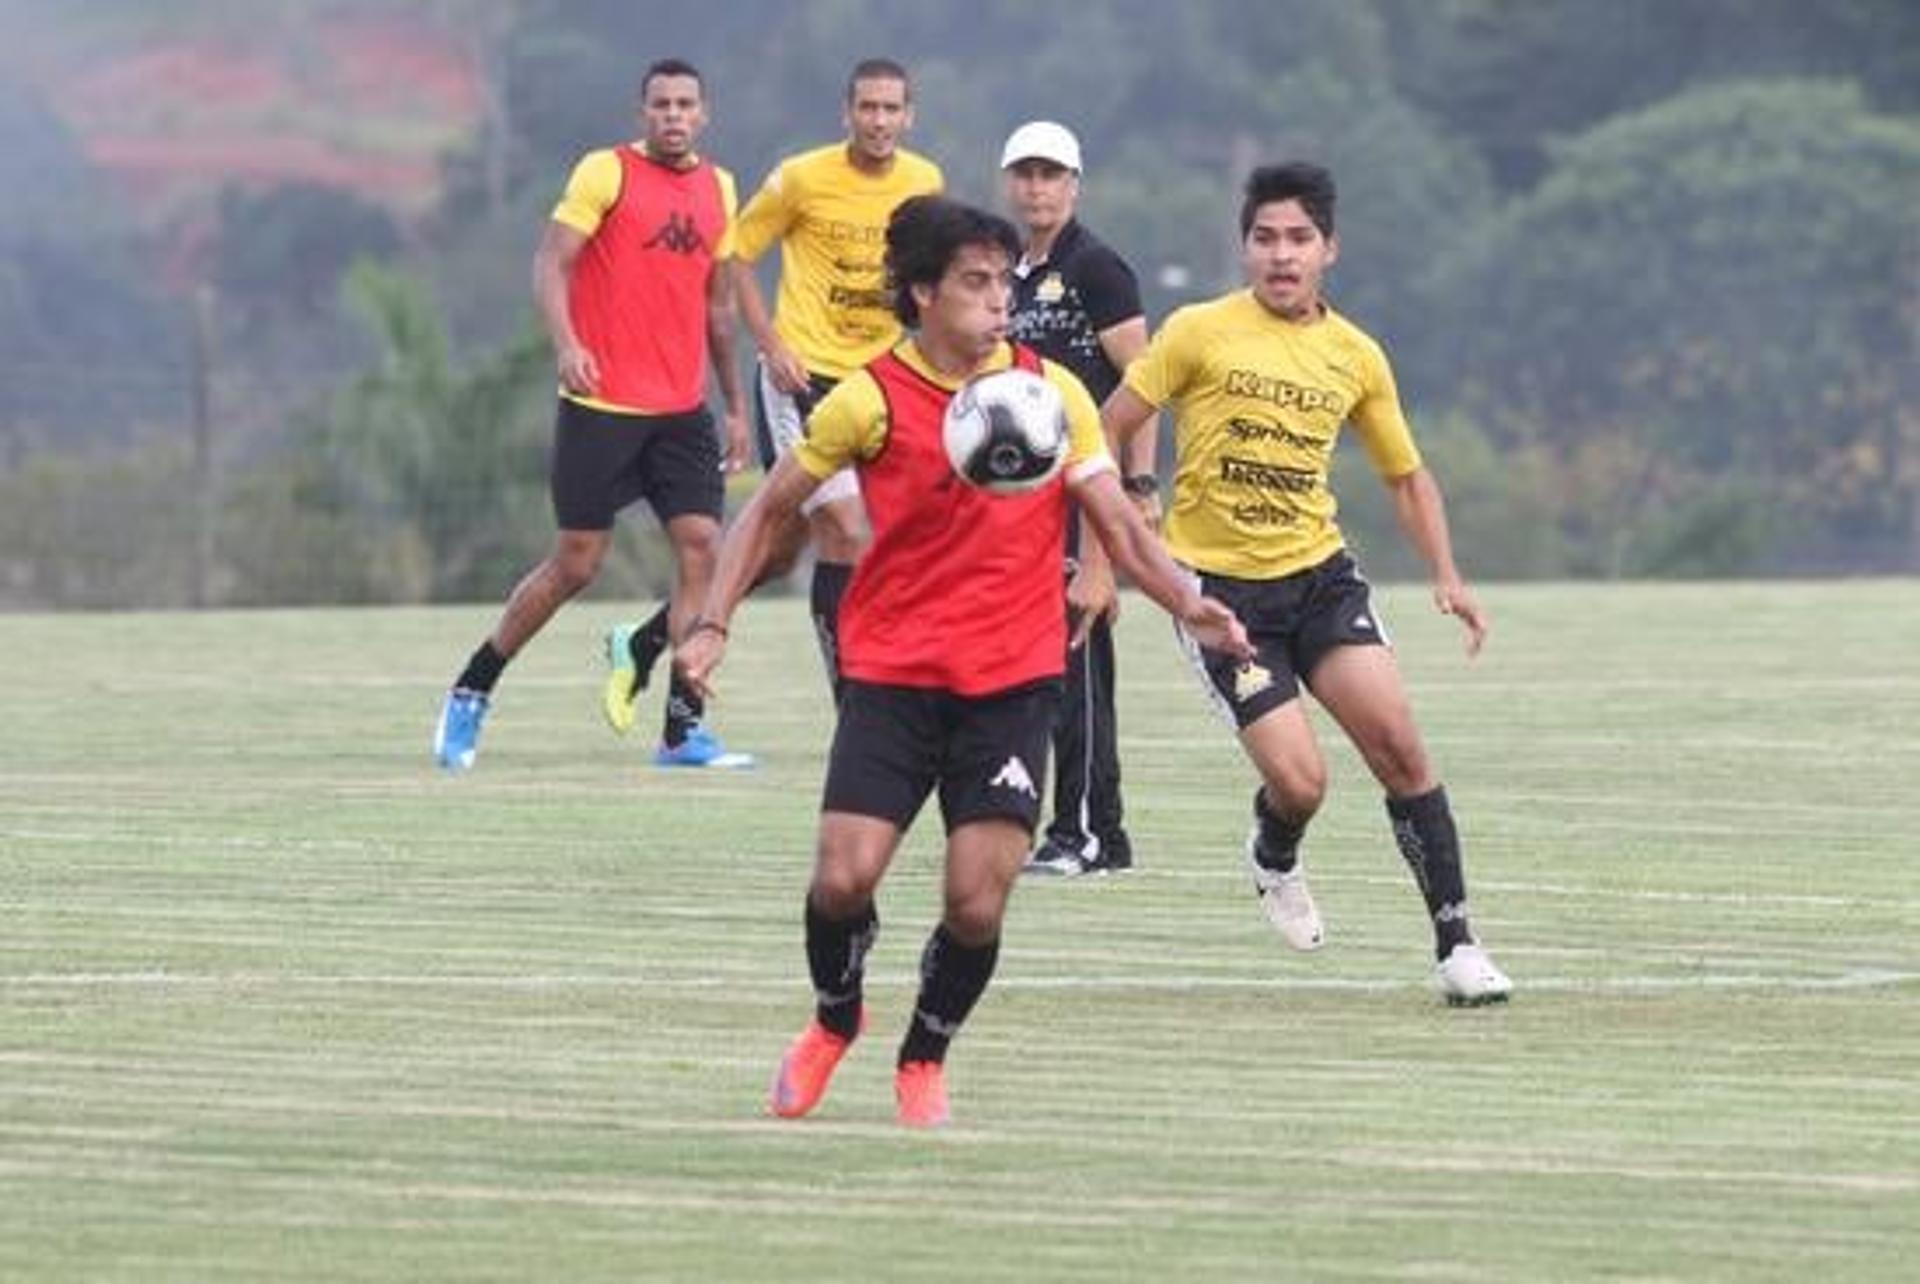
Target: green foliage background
1649,272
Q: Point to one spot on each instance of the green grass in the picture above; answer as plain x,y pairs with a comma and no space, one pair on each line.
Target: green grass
279,1002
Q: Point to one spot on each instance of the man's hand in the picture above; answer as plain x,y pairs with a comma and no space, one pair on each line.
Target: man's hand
579,372
739,444
698,655
1091,597
1214,626
1454,598
785,369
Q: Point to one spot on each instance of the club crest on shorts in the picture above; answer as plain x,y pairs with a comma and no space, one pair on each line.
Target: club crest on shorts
1249,680
1015,776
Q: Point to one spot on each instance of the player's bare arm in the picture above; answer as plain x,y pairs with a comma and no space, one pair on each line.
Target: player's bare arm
1132,427
743,554
553,263
1091,595
1124,415
1422,511
788,372
721,317
1138,552
1123,344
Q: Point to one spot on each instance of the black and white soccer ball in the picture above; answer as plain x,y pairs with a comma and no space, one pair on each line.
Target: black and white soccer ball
1006,432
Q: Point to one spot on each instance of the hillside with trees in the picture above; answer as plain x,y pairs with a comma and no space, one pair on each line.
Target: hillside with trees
1649,268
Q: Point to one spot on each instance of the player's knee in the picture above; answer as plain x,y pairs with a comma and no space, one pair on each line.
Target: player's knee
573,569
840,891
973,919
1399,762
697,543
1296,789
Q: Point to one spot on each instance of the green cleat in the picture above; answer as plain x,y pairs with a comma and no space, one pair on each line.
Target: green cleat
630,661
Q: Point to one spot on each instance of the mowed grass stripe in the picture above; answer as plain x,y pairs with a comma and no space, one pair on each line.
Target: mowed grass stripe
282,1003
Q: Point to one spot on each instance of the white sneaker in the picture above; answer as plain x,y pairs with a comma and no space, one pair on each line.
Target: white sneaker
1287,902
1468,978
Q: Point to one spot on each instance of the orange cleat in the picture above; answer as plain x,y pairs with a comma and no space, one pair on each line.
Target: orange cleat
921,1089
807,1069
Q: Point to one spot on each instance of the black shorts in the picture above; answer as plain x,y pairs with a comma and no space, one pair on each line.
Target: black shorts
1293,622
604,461
987,754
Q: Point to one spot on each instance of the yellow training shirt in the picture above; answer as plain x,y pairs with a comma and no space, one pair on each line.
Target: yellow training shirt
850,423
1258,404
830,221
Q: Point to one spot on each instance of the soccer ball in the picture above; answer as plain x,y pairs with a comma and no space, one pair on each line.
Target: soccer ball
1006,432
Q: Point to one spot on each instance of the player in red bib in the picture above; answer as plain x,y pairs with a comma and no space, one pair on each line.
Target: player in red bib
633,282
953,640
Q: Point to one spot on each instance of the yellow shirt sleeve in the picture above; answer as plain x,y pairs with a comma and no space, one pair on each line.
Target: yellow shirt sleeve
849,425
767,216
1160,374
591,190
1379,421
730,206
1087,452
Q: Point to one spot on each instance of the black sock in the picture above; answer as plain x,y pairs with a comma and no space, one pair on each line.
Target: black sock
830,581
1278,847
837,958
1423,829
685,707
483,669
952,979
647,642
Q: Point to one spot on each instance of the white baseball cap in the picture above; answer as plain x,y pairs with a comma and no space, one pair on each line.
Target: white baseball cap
1042,140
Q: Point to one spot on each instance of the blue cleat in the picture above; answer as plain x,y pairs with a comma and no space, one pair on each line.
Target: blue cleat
701,748
457,738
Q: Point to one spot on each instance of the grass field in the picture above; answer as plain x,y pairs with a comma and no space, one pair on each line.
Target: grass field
279,1002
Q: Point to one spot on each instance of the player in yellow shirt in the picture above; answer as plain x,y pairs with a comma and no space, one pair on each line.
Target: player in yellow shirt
1261,382
827,210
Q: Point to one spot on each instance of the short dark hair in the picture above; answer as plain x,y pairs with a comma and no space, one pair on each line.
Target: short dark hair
1303,181
671,67
878,69
924,235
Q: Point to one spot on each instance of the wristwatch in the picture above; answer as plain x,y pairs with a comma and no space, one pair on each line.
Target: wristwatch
1140,484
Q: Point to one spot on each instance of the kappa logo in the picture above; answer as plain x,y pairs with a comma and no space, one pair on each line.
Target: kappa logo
1249,680
679,235
1015,776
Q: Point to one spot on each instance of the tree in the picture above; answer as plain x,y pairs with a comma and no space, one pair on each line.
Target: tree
284,249
1512,76
1727,279
456,456
86,348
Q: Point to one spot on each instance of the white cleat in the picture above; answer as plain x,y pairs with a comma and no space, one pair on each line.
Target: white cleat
1469,978
1287,902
